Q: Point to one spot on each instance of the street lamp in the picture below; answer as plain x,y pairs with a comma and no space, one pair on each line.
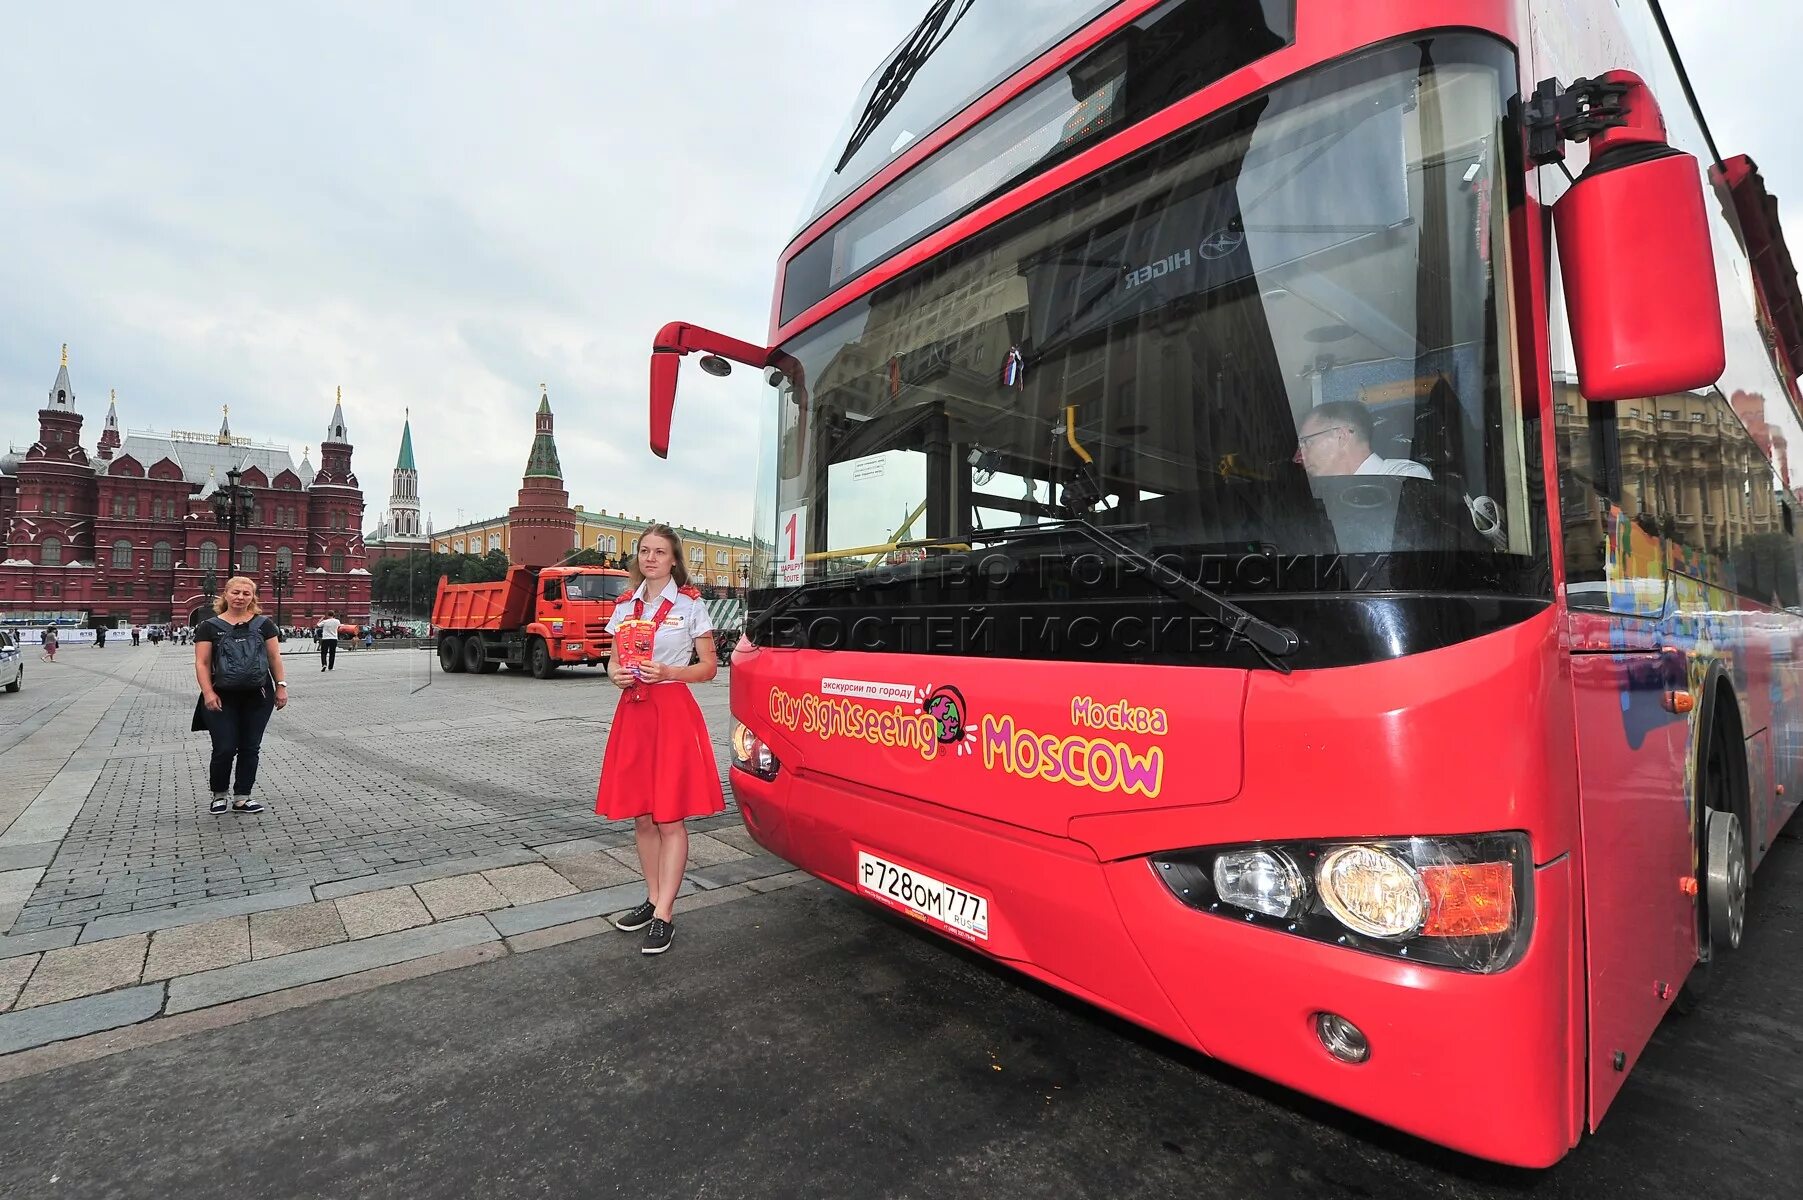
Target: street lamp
233,505
279,584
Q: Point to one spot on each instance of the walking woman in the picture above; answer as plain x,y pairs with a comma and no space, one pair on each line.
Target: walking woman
51,642
659,768
238,662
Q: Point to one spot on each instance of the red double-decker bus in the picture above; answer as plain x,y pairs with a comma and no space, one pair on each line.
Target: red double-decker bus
1274,518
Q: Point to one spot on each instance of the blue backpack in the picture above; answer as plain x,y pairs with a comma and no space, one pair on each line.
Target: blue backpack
240,659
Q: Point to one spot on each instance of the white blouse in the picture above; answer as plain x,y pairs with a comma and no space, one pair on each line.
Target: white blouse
674,644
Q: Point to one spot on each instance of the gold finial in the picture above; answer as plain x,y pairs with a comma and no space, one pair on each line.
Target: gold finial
65,354
544,391
341,393
112,394
226,409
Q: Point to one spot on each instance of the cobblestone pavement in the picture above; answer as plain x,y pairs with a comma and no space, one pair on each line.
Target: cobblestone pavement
381,765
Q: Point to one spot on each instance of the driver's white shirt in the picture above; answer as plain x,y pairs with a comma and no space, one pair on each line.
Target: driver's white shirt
1373,465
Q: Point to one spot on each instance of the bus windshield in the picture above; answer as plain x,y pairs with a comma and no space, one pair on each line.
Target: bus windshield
960,49
1283,333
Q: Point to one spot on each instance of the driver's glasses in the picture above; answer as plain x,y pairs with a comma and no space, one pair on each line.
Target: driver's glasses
1303,441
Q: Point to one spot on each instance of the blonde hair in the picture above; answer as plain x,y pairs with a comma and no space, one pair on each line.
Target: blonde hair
679,570
219,605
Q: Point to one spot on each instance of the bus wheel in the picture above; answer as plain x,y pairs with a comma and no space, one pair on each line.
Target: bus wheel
472,654
1725,875
450,654
538,656
1722,853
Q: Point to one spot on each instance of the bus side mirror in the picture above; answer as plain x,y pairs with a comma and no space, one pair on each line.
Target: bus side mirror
664,364
672,342
1640,288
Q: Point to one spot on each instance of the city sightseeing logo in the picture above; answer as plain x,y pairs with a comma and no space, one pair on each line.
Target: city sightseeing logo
929,720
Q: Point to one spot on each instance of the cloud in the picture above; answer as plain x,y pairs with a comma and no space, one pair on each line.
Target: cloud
438,207
441,206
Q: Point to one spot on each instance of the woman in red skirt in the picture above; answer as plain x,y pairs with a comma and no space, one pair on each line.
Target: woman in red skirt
659,767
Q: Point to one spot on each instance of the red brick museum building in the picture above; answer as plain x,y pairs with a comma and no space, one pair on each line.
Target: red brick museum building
127,534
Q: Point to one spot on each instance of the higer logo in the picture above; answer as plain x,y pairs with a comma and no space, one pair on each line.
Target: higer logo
1221,243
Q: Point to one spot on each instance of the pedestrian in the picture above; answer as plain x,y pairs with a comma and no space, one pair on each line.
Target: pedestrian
369,638
135,632
156,636
51,642
100,637
659,769
326,632
238,663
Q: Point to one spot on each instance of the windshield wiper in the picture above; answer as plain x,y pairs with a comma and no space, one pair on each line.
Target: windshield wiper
927,37
757,625
1271,642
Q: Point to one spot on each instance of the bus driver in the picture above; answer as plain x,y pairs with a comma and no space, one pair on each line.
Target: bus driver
1335,439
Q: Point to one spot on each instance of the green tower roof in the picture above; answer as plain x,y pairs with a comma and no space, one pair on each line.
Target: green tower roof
544,458
543,461
405,461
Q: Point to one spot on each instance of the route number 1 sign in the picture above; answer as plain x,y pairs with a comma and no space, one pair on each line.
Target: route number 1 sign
791,546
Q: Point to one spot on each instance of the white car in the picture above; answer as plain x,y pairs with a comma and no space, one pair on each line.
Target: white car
12,662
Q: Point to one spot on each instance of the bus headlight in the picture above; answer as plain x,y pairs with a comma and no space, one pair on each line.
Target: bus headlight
1372,891
1263,881
749,753
1462,902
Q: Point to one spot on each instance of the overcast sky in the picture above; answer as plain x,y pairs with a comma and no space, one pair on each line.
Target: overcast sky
440,206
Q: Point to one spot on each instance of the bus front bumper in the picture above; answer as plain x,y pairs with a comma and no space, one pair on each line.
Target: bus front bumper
1489,1065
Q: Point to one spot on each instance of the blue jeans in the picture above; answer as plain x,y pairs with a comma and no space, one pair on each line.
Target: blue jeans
237,732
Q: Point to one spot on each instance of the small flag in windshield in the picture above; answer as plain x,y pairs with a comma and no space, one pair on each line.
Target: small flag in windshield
1014,368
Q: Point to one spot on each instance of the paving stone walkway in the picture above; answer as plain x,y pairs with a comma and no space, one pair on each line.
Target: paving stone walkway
411,814
377,766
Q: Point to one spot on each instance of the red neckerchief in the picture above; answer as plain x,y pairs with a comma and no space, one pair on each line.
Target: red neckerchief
657,618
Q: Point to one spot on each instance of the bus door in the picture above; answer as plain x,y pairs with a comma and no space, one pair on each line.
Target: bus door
1633,802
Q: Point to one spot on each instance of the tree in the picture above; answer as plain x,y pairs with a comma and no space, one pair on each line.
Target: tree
588,558
491,568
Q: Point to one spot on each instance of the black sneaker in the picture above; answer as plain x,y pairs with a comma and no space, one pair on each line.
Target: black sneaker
658,936
638,918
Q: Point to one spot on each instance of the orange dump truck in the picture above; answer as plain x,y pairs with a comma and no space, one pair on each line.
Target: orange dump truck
537,619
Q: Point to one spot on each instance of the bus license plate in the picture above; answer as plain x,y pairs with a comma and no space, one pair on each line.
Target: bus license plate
935,901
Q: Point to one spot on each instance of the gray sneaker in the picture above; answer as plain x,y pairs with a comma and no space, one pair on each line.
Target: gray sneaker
638,918
658,937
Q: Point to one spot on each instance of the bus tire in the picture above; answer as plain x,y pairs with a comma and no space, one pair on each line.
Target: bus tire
1725,878
472,654
450,654
538,657
1723,868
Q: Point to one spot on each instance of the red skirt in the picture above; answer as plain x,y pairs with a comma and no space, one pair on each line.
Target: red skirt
659,761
